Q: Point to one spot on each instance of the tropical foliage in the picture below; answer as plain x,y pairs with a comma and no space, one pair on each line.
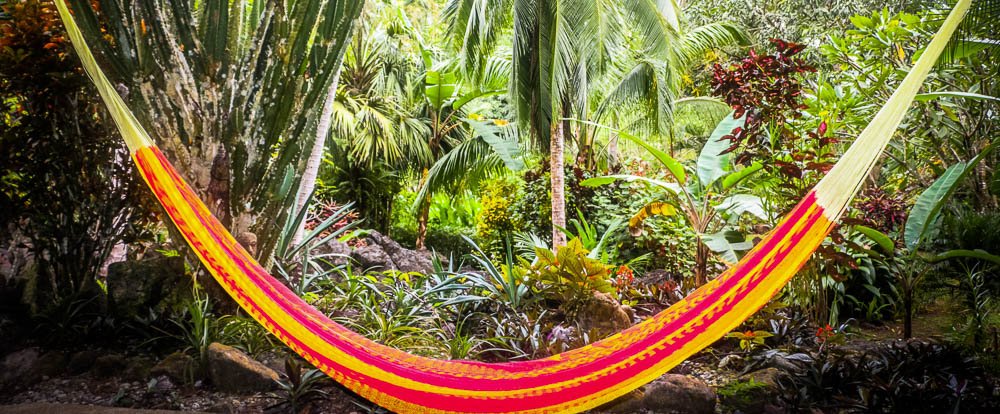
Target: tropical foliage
500,180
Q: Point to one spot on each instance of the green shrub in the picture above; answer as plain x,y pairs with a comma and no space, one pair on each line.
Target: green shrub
451,218
497,220
66,180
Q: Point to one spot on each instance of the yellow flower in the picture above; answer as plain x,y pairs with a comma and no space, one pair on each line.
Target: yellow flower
501,122
475,117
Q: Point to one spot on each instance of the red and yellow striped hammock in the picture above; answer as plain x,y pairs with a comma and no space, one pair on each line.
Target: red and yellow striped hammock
573,381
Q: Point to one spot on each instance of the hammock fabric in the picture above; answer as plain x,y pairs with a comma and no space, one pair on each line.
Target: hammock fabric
573,381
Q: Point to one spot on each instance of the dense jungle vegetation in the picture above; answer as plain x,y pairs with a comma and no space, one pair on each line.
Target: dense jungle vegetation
499,180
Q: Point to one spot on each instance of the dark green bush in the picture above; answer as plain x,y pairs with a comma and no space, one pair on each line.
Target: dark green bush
68,182
898,377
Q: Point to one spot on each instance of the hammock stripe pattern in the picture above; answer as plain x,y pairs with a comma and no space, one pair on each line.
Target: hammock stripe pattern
573,381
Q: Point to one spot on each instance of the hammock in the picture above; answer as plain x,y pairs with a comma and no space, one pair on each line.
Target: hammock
573,381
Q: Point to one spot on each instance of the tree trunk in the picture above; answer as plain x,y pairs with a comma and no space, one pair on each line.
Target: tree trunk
908,314
423,214
425,209
701,263
614,155
308,183
556,173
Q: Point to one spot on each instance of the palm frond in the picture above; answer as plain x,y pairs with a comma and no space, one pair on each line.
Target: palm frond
647,90
695,43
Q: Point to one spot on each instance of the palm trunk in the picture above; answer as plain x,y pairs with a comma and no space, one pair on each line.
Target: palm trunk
308,183
425,209
558,180
423,214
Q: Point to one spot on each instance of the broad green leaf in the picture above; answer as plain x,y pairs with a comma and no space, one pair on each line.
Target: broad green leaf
473,95
727,243
740,204
924,214
673,188
862,22
737,177
923,97
878,237
671,164
670,11
712,164
598,181
440,87
961,253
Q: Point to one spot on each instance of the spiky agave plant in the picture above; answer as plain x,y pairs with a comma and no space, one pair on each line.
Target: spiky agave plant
231,91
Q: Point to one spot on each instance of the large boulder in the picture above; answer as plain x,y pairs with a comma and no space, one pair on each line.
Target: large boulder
373,257
340,252
110,365
52,363
233,371
670,394
156,282
383,253
82,361
178,366
603,315
754,393
19,369
405,260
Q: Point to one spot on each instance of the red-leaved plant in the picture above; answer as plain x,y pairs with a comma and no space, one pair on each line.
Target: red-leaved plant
766,89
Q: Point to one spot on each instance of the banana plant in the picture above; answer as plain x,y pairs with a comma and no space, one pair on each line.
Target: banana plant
465,146
913,261
705,196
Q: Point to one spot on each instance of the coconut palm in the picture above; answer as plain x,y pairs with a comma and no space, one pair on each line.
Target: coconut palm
562,52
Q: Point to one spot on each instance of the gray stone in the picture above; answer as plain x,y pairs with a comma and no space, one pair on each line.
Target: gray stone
158,283
766,376
52,363
407,260
341,252
19,368
759,398
373,257
670,394
106,366
82,361
233,371
137,369
385,253
177,366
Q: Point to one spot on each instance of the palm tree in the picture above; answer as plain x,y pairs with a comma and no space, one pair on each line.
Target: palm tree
229,91
418,116
563,49
465,147
379,130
